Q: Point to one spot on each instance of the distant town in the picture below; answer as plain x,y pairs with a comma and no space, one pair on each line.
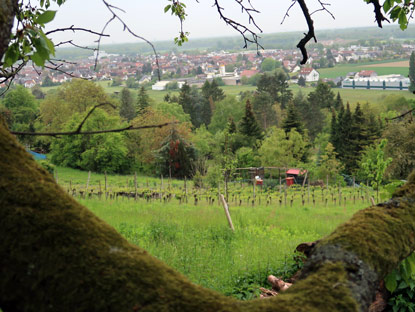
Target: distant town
233,68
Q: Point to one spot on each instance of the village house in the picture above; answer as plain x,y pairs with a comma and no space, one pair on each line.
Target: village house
366,74
309,74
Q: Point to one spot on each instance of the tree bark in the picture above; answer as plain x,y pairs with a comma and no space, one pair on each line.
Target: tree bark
8,9
55,255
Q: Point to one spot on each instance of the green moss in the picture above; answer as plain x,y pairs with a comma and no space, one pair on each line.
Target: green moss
381,235
324,290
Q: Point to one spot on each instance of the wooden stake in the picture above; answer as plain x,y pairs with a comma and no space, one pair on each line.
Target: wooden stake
105,186
87,182
305,179
327,182
135,185
228,215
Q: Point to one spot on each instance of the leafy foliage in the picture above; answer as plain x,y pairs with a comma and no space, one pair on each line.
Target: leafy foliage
29,42
401,283
22,106
283,150
98,153
374,163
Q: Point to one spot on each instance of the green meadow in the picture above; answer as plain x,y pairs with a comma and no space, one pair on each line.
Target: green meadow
193,235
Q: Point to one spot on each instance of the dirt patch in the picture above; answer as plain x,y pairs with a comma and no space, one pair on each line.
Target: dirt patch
391,64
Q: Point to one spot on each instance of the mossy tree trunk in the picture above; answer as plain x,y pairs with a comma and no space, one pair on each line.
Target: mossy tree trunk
8,10
55,255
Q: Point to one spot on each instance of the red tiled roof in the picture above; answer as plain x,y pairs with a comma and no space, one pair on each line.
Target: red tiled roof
306,71
366,73
295,171
249,72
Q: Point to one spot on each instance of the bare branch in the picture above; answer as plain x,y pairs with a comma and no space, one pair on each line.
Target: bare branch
308,36
74,29
78,130
75,45
112,9
242,29
128,128
288,11
324,8
401,116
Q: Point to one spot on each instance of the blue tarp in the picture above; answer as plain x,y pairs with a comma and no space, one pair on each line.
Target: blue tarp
37,156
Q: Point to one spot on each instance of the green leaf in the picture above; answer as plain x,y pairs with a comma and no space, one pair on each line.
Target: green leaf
12,55
38,60
47,43
395,12
390,281
45,17
387,5
403,21
167,8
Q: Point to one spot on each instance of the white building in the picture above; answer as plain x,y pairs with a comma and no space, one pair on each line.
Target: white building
160,85
309,74
387,82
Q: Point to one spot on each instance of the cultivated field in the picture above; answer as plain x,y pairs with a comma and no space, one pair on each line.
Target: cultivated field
404,64
191,233
381,68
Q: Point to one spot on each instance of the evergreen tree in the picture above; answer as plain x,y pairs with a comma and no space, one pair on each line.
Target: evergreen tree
212,90
334,138
249,125
263,107
127,110
313,116
293,121
358,139
193,104
412,72
322,96
143,100
276,86
176,156
339,102
301,81
231,126
206,111
185,99
211,94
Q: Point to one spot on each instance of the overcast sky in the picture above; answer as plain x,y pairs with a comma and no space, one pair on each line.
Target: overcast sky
147,18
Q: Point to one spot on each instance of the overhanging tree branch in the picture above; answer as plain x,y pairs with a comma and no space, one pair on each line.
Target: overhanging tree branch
128,128
242,29
115,16
308,36
378,13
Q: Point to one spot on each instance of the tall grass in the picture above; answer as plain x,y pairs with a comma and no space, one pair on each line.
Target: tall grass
196,240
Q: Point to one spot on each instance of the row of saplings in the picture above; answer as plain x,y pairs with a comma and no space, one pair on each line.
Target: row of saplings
312,195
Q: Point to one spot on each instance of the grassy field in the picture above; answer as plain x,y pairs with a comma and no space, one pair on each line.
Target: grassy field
196,240
78,179
386,67
194,237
